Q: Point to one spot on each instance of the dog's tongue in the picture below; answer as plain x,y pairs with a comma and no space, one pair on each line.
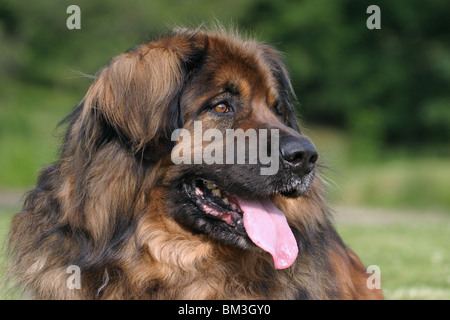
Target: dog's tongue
267,227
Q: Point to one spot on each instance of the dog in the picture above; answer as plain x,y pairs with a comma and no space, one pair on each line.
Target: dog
136,225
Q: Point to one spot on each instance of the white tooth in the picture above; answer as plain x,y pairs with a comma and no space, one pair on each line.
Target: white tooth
233,206
198,192
210,185
225,200
217,192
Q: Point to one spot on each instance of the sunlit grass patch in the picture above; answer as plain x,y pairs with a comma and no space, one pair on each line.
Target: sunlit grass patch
418,293
412,253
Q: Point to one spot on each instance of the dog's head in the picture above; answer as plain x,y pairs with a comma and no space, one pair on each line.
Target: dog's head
216,112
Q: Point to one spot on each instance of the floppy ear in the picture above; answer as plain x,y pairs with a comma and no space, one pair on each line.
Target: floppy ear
137,96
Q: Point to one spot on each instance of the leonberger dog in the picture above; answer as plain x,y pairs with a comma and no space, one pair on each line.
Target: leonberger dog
136,225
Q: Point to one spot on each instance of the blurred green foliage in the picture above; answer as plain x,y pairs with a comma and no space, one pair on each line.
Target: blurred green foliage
388,87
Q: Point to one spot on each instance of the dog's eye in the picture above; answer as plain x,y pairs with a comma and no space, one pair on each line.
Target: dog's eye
222,108
277,109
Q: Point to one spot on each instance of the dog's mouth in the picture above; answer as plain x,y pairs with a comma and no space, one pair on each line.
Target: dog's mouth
257,219
216,202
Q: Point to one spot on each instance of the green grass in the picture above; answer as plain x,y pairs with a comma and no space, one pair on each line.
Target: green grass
395,181
416,183
5,217
414,258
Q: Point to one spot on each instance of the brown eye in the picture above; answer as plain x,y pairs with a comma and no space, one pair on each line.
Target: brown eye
221,108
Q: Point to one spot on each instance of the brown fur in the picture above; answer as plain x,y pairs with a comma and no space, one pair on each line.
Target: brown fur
103,205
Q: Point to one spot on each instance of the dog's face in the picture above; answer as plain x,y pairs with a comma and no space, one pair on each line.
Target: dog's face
197,82
237,86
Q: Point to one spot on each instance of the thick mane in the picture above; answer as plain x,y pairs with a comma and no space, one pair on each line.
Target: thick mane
102,205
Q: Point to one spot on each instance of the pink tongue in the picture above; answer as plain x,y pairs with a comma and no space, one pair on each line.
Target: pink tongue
267,227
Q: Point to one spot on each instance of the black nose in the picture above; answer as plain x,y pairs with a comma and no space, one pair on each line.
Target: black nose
298,153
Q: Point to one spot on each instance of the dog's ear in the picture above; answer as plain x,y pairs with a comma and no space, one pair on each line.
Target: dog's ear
137,94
